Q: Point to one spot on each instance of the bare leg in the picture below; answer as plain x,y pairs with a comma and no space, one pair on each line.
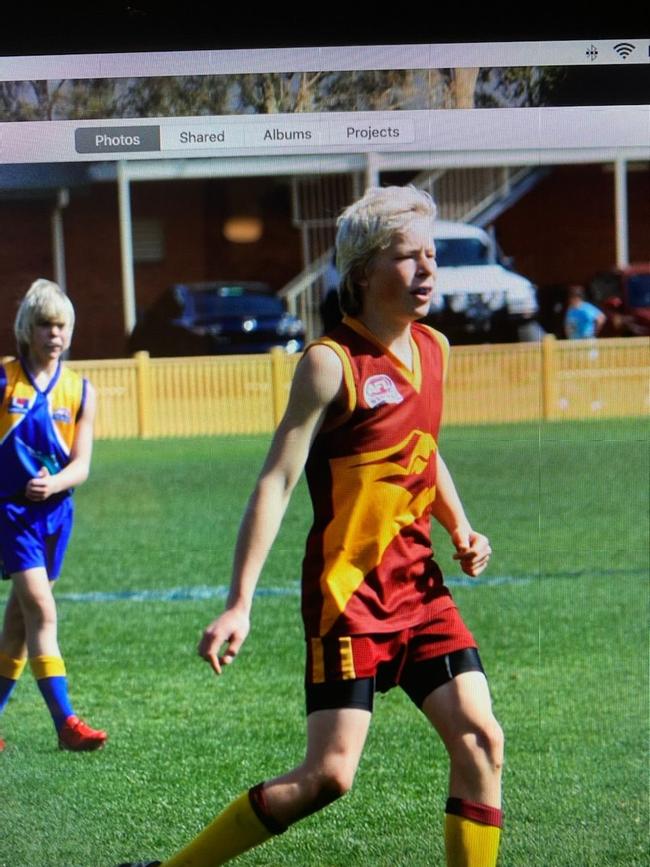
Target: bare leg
12,637
32,591
12,650
461,712
335,741
31,622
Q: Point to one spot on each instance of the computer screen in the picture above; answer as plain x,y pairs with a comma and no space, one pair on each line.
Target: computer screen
125,173
184,189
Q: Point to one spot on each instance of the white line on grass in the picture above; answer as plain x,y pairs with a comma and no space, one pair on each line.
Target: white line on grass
219,591
193,594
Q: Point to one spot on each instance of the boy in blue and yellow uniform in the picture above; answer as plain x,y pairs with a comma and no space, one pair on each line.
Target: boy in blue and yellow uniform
363,420
46,428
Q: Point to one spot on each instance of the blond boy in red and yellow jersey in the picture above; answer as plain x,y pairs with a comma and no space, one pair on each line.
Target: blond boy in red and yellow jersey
363,420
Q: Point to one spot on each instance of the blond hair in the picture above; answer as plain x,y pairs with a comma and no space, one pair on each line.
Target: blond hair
44,301
368,226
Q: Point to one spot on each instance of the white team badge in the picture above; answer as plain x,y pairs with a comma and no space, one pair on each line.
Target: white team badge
380,389
62,414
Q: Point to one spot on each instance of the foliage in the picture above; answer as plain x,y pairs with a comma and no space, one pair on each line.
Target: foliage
517,87
273,93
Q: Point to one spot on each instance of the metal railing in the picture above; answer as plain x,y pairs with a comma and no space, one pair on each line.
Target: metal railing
461,195
304,294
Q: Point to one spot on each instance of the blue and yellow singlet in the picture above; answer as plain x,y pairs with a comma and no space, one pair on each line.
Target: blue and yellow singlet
37,428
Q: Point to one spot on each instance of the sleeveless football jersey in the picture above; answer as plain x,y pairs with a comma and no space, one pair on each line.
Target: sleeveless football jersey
371,473
37,428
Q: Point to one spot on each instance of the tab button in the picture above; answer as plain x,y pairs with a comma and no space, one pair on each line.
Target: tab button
116,139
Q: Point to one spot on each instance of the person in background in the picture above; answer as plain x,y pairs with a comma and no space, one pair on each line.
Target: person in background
582,320
46,433
330,309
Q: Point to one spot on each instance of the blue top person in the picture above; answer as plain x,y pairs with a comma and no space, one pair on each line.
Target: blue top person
582,319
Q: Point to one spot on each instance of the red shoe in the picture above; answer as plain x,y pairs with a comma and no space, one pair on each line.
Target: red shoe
75,735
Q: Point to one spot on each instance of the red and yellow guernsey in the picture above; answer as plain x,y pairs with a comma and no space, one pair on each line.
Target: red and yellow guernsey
371,472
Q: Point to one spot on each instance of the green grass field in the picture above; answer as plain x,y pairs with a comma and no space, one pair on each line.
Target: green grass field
561,617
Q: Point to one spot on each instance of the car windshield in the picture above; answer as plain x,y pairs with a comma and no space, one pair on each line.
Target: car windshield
456,252
207,306
639,290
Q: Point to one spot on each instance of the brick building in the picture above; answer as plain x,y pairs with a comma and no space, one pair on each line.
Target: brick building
562,231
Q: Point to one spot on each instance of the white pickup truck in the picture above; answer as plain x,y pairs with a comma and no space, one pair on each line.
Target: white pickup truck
477,298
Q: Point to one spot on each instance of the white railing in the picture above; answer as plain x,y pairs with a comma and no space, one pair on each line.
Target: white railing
304,293
461,195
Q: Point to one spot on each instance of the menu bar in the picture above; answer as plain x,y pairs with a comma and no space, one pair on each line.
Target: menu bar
352,132
626,50
219,136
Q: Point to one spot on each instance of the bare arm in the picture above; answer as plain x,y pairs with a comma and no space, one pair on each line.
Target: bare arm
315,386
76,472
472,548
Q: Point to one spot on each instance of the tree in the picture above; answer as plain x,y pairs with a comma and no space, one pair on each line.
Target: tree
278,93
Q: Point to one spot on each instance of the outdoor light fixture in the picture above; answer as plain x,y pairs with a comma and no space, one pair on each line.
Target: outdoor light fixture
243,229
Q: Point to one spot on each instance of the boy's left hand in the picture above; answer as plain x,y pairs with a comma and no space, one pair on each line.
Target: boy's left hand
472,551
41,486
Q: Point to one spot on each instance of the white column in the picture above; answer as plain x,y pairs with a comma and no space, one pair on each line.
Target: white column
622,234
372,171
126,247
58,245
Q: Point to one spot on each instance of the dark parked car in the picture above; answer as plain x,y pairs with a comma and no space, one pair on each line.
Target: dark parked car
624,296
217,318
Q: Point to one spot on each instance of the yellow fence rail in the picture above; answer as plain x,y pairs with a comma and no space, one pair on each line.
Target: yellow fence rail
246,394
181,397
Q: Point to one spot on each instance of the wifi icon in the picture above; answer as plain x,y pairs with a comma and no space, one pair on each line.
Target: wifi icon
624,49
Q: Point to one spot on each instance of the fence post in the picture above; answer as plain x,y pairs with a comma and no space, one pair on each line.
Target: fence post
549,376
277,384
143,392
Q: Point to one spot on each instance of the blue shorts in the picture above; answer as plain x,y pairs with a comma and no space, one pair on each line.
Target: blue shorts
35,534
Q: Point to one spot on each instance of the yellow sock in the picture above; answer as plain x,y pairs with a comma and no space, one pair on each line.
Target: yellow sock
11,668
10,671
47,666
232,832
471,842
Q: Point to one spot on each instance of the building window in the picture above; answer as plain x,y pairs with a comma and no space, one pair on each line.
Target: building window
148,241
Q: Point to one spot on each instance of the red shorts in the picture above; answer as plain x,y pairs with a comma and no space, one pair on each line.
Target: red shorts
385,656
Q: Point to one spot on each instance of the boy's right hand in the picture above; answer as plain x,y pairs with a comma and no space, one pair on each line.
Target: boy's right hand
41,486
472,551
230,628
